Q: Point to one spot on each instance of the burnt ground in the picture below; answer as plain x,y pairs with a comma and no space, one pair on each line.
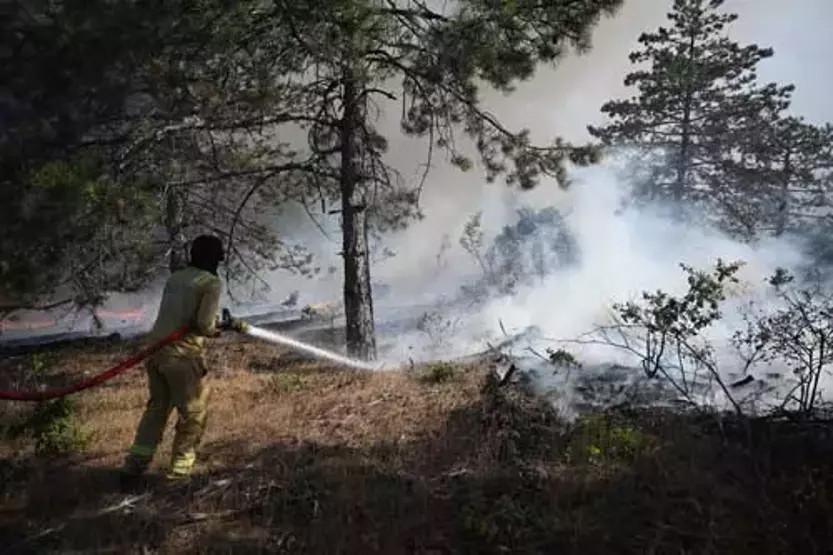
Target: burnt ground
303,457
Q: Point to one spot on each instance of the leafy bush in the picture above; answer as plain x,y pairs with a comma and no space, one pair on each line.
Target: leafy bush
53,428
438,328
797,334
440,372
599,439
665,332
536,245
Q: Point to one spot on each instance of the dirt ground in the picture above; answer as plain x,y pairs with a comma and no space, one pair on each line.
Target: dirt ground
303,457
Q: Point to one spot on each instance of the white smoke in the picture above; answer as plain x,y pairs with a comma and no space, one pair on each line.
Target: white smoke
622,253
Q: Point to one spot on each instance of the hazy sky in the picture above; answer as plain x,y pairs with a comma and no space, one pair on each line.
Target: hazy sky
569,96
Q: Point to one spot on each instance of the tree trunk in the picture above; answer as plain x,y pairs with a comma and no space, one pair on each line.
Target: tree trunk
358,298
782,216
683,162
174,225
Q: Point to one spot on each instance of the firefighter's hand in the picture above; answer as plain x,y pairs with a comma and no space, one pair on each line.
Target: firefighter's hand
229,322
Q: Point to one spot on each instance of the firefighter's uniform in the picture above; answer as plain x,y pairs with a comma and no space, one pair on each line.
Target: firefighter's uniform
175,373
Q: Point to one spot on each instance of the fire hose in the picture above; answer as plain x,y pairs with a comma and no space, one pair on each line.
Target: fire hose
225,323
92,381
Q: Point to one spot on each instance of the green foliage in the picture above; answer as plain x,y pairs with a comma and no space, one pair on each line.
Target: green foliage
496,520
601,440
683,317
472,239
536,245
664,330
440,372
795,159
794,332
107,151
704,132
53,428
82,236
39,363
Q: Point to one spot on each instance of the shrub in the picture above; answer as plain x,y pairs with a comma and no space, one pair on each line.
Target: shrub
53,428
599,439
440,372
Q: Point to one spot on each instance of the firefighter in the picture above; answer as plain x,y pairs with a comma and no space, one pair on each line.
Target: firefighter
176,372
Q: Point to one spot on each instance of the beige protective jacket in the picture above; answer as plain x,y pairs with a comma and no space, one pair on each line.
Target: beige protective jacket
191,300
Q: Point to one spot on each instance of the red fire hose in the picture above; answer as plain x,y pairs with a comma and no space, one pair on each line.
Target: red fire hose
94,380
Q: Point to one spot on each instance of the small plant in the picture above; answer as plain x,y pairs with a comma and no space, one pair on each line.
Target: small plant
560,357
437,327
38,364
664,330
286,382
440,372
798,334
472,240
53,428
599,440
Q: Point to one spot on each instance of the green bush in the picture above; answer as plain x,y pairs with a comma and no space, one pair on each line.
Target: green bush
440,372
53,428
38,364
598,439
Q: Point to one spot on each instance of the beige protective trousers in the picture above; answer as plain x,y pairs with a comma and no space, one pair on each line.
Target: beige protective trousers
174,382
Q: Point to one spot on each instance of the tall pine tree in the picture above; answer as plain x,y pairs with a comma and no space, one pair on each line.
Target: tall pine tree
116,147
697,99
796,158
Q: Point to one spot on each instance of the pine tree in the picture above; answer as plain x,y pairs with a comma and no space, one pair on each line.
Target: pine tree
329,68
797,159
69,234
696,103
113,153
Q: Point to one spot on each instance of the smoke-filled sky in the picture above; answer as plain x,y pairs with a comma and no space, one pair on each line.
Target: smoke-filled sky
562,101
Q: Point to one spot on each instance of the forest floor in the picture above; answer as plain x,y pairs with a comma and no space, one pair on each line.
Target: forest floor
303,457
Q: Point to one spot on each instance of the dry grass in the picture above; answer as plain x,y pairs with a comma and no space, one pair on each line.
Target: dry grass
305,458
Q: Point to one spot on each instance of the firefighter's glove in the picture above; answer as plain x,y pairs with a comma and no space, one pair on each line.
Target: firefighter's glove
229,322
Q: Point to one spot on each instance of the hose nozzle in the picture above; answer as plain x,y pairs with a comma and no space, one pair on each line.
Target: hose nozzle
229,322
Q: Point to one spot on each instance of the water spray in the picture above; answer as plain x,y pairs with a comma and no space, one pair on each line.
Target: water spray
280,339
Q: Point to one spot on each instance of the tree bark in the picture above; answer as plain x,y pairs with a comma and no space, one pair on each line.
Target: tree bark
174,224
684,160
784,198
358,297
